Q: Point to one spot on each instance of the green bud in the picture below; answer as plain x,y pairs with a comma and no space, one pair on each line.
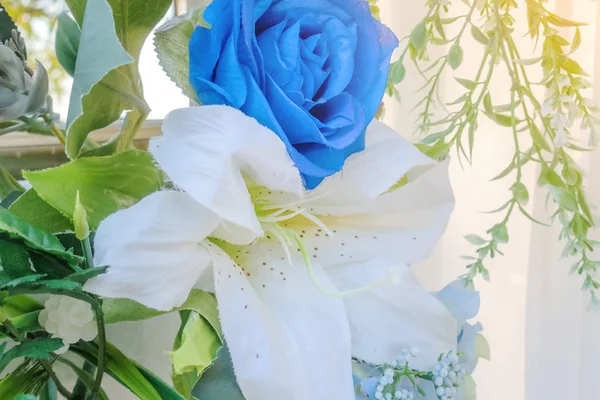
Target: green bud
82,229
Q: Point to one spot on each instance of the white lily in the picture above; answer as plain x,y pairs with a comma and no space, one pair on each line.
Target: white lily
283,261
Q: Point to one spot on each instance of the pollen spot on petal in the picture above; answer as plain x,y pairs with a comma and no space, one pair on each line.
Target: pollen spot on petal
245,307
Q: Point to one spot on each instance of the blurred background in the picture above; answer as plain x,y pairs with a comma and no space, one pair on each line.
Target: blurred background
543,338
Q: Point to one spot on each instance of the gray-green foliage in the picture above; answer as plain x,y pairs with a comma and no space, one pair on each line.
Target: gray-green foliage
540,126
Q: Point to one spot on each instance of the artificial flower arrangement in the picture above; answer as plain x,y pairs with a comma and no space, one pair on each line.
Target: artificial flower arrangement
277,216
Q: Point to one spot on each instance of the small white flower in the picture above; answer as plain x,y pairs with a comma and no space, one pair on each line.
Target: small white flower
68,319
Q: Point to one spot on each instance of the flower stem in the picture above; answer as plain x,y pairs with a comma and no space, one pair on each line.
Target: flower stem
86,247
101,353
59,386
57,132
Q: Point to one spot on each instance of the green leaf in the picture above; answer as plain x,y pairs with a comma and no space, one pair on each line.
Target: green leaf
520,193
14,259
171,42
537,137
34,237
100,54
501,119
198,345
467,83
123,310
397,72
68,36
36,211
487,103
218,381
6,25
564,198
562,22
57,284
8,184
576,42
35,348
419,36
499,232
571,66
15,306
479,36
28,322
482,347
141,382
126,178
475,240
455,56
29,377
87,274
22,281
25,397
468,388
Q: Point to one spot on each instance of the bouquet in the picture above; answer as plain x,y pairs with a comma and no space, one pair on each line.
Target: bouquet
276,215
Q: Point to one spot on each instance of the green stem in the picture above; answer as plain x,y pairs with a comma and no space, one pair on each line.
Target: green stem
86,247
101,354
80,390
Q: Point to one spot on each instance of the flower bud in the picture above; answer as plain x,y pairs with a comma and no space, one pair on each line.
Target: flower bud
20,92
82,229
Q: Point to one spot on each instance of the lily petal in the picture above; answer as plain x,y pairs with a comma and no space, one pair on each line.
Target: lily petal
207,150
278,325
390,318
153,250
370,173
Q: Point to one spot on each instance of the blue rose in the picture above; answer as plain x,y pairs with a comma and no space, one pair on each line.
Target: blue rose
313,71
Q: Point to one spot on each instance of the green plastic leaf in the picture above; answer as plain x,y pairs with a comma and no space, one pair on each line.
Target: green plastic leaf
218,381
36,348
8,184
87,274
14,259
499,232
466,83
137,379
419,36
475,240
68,36
29,377
576,42
564,198
482,347
22,281
397,72
28,322
479,36
571,66
520,193
198,346
537,138
455,56
171,42
15,306
36,211
126,178
124,310
100,53
34,237
25,397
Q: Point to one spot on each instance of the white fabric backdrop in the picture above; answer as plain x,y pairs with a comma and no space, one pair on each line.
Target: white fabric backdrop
543,340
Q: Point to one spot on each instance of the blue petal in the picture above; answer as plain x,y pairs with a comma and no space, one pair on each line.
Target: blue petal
466,345
461,300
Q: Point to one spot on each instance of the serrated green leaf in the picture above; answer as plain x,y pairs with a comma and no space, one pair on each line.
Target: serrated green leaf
87,274
34,237
35,348
171,42
100,54
31,207
475,240
455,56
8,184
127,178
67,40
419,36
14,260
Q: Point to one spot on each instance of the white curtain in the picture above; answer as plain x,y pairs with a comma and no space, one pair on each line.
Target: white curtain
543,339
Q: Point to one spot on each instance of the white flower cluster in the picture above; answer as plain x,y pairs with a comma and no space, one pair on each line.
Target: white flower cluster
68,319
388,383
447,374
